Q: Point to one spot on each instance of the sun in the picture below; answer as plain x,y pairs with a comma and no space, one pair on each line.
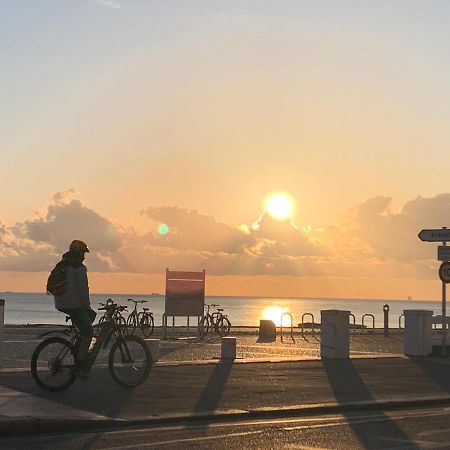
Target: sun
279,205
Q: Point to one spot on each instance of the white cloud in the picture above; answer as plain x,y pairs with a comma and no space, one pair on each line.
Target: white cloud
111,4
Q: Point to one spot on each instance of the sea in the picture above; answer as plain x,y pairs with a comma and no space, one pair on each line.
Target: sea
37,308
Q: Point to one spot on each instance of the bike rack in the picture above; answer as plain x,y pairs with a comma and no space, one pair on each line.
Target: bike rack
291,334
313,330
400,321
373,321
354,322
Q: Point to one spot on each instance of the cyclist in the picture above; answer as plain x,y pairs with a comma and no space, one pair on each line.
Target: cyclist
75,301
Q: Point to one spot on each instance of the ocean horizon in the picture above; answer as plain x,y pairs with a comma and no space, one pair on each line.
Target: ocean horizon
23,308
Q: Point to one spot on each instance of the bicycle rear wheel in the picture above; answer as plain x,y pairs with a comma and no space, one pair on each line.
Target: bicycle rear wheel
203,326
223,326
130,361
131,324
146,324
53,363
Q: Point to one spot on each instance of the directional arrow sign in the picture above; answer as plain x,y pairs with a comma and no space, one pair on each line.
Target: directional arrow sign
438,235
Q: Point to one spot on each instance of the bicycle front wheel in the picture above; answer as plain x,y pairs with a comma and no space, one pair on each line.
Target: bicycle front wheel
223,326
53,363
130,361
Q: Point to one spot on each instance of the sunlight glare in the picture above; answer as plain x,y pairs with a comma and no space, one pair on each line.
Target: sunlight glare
279,205
274,313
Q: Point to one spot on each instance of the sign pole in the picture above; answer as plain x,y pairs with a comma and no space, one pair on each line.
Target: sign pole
444,311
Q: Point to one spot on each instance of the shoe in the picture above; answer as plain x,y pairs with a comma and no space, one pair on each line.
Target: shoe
82,370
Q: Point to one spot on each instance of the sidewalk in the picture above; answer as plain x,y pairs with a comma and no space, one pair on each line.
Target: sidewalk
184,392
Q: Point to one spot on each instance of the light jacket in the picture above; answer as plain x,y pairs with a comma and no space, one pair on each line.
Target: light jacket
77,291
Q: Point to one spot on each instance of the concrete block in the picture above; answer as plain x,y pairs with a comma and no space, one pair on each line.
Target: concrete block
334,334
228,348
153,346
418,339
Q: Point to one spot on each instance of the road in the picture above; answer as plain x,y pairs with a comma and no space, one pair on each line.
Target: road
405,429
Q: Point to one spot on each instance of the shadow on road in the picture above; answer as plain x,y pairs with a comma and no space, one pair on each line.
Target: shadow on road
434,367
348,386
212,393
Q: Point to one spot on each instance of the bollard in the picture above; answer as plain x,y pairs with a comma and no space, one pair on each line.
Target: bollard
2,323
228,348
386,319
153,346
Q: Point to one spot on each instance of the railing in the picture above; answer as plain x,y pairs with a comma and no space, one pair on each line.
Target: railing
373,321
354,322
313,330
291,333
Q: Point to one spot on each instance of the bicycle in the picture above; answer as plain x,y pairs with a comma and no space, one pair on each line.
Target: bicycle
117,316
216,320
144,320
129,361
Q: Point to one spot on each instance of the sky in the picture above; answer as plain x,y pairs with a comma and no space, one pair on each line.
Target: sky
118,116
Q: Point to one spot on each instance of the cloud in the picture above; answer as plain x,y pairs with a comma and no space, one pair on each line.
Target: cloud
369,240
110,4
192,230
376,231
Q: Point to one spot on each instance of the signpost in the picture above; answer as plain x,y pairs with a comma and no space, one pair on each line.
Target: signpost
443,253
441,235
444,272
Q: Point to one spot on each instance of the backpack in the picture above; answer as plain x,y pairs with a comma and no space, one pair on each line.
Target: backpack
56,282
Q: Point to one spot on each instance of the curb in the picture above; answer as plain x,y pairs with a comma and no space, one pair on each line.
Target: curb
206,362
23,426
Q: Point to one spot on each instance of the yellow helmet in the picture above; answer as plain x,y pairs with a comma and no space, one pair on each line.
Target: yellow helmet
79,246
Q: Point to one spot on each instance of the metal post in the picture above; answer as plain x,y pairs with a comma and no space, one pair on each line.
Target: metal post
444,312
2,323
386,319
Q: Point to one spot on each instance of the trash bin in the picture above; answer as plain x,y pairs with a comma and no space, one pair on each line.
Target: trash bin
334,334
267,331
418,330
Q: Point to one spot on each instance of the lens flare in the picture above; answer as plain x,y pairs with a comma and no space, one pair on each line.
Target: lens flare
163,229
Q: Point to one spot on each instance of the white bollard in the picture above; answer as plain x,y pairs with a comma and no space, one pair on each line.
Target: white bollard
2,324
228,348
418,332
153,346
334,334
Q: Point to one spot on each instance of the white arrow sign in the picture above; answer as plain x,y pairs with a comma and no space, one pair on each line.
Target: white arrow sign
438,235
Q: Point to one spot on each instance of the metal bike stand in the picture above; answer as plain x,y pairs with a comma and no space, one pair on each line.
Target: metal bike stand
291,326
373,321
313,330
354,322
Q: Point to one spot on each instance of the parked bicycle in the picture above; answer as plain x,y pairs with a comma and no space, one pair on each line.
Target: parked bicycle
117,316
129,362
216,321
142,320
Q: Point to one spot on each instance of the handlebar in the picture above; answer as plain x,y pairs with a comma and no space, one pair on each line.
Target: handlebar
137,301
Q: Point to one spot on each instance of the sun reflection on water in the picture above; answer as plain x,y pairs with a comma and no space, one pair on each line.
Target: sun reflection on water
274,313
